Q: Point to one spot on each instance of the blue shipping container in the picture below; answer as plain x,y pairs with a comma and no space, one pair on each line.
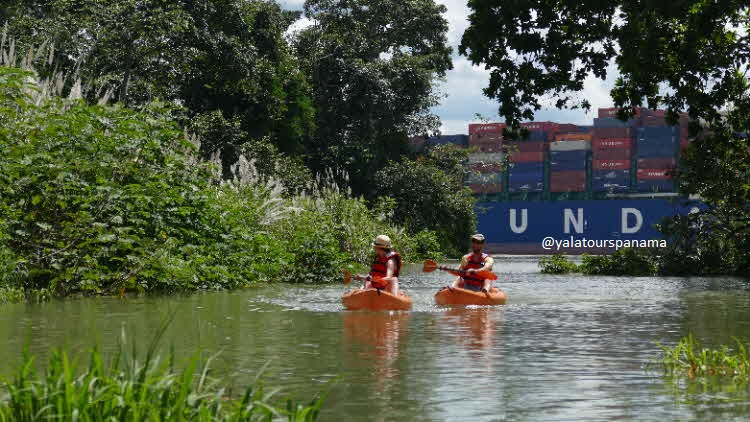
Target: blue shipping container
558,156
537,136
608,186
610,174
613,122
657,131
655,186
567,165
527,167
525,187
656,148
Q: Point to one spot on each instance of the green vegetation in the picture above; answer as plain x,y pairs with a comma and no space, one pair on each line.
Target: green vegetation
106,199
631,262
130,389
556,264
688,56
689,359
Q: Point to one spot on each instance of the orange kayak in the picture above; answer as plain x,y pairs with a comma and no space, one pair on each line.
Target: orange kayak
459,296
373,300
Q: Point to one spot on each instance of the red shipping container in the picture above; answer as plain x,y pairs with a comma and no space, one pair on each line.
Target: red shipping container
568,181
568,128
612,112
489,188
527,146
612,154
566,186
684,143
657,163
484,137
550,127
683,132
612,143
611,164
527,157
486,128
489,146
612,132
654,174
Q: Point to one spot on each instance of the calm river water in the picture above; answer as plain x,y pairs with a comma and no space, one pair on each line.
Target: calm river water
563,348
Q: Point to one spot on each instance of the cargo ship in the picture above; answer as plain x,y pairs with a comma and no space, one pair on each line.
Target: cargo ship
591,188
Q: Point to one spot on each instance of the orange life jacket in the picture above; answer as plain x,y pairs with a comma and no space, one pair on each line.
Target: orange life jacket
476,262
379,269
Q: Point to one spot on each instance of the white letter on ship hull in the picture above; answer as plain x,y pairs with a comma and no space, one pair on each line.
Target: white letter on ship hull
569,219
638,220
524,220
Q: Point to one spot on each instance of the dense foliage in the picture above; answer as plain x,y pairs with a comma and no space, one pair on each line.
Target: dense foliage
372,66
136,388
631,262
427,197
686,56
688,358
105,199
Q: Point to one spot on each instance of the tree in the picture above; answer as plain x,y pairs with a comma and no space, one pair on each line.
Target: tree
687,55
223,55
372,65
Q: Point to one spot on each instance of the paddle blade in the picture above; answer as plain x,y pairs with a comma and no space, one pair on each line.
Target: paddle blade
487,275
429,266
347,277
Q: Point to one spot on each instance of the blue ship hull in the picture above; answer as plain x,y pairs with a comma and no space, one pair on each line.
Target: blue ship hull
520,227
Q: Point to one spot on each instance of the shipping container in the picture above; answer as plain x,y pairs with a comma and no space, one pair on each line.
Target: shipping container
530,167
654,148
484,137
488,146
610,122
485,157
573,137
537,136
570,145
611,154
567,165
525,186
527,146
476,178
568,181
568,128
612,112
612,143
608,186
612,132
548,127
613,175
527,157
486,128
655,186
575,156
657,132
486,188
654,174
657,163
611,164
684,143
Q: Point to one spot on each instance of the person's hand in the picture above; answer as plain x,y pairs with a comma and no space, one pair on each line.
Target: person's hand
485,291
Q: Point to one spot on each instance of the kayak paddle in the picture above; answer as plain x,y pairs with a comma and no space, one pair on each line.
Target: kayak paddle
430,266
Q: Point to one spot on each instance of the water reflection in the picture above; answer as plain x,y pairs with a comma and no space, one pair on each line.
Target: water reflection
373,340
476,332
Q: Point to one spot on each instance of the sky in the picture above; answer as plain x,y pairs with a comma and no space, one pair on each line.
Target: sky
463,85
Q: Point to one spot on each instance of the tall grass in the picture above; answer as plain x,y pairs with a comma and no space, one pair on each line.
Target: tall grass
689,359
128,389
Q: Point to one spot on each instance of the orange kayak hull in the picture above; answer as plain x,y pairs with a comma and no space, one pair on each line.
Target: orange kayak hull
460,296
373,300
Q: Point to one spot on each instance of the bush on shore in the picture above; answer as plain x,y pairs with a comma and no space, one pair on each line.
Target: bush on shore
105,199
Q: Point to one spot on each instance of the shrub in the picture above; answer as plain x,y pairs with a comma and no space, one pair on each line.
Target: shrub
632,262
556,264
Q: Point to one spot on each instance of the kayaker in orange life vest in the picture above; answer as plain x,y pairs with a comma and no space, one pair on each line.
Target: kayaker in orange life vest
473,262
385,269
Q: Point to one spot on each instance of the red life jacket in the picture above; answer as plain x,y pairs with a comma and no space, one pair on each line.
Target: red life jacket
476,262
379,269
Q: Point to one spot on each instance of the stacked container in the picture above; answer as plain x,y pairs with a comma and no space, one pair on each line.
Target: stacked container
612,146
657,148
527,158
461,141
568,165
485,164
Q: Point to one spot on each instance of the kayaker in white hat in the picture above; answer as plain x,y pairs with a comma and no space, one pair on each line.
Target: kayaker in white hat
475,261
385,269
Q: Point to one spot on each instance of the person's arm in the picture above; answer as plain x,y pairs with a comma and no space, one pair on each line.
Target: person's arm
464,263
390,268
